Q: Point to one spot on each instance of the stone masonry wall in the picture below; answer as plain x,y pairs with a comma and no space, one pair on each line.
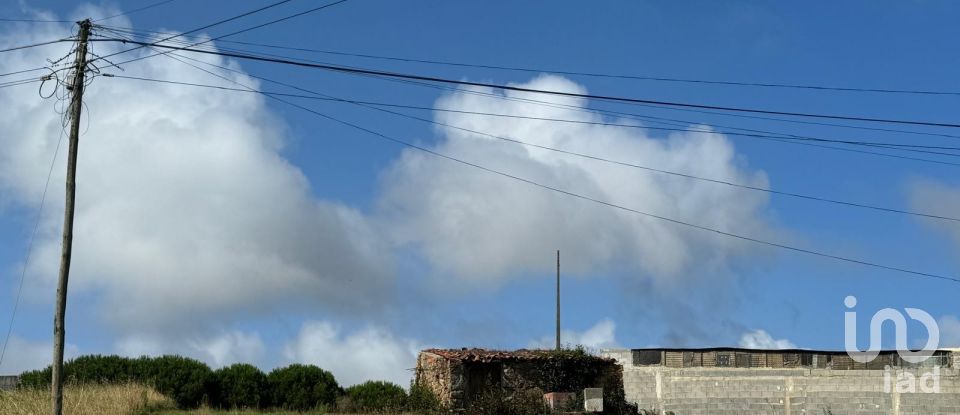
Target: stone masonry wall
456,382
442,377
801,391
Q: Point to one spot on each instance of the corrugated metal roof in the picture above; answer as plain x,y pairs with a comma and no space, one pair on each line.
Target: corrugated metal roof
743,349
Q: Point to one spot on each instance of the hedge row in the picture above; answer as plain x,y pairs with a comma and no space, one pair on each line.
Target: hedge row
191,383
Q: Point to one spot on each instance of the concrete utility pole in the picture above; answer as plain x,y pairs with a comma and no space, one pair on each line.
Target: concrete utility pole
558,299
76,102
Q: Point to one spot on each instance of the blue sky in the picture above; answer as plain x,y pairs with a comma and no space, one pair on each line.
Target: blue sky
439,255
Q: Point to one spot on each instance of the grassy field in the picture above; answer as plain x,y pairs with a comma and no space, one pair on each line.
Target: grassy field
214,412
110,400
87,400
217,412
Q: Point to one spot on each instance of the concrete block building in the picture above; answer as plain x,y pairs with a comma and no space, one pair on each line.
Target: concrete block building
787,382
9,382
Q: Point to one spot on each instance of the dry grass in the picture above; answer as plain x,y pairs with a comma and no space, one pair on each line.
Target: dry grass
206,411
129,399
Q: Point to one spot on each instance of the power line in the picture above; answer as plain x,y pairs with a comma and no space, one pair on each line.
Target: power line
20,82
802,138
785,138
781,137
33,237
35,45
219,22
232,33
41,68
532,90
627,209
23,71
599,75
893,146
685,122
602,202
34,21
374,105
587,198
129,12
633,115
588,74
746,116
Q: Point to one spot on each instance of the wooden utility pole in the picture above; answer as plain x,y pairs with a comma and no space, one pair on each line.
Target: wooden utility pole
558,299
76,102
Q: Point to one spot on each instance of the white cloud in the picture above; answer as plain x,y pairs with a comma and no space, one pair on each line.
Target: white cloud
23,355
939,199
760,339
949,331
220,350
483,227
232,347
369,354
601,336
186,210
189,217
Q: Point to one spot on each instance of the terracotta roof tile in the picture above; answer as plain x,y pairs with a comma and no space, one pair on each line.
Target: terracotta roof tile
485,355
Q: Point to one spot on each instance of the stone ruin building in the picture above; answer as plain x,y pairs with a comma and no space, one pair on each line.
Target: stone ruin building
458,377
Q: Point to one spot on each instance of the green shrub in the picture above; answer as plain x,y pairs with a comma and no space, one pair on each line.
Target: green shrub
141,367
498,402
98,369
36,379
422,400
190,383
240,386
186,381
303,387
374,396
84,369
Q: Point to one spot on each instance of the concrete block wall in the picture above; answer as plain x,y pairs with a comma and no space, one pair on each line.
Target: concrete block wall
801,391
9,382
